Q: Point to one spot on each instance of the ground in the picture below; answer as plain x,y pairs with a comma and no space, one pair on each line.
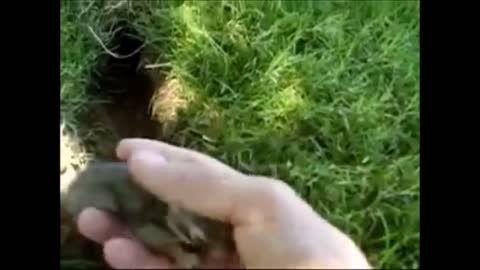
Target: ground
321,94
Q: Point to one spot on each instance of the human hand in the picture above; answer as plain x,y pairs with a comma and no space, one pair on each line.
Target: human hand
273,227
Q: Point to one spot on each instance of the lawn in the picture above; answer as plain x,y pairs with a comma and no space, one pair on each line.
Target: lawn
321,94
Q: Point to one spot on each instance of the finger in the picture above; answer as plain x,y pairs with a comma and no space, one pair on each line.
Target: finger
195,187
123,253
99,226
170,152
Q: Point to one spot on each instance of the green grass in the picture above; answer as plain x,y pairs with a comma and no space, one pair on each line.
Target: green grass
77,57
324,95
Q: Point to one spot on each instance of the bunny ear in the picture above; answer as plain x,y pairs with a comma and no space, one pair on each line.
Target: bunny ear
78,200
90,188
155,237
184,224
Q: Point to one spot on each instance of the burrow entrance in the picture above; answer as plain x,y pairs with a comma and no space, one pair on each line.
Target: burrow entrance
122,90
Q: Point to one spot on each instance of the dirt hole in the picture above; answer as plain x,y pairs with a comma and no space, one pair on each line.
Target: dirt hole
122,89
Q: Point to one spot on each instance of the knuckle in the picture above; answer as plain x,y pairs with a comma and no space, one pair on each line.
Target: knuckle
275,191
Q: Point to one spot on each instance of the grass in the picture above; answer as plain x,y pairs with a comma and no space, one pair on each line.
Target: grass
321,94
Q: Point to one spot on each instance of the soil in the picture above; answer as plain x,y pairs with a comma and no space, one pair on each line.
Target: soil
126,89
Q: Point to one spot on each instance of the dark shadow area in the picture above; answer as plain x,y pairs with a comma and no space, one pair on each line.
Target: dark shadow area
124,90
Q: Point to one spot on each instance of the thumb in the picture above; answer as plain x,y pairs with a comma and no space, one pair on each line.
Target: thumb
200,188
